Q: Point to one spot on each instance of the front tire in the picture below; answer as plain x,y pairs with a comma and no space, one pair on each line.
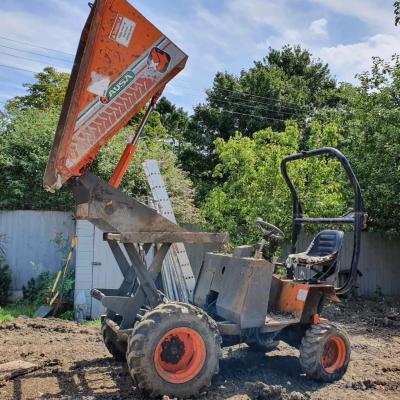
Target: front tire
174,351
325,352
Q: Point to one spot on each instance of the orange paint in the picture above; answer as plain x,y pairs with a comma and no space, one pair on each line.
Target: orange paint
334,354
185,366
317,319
122,62
292,297
122,165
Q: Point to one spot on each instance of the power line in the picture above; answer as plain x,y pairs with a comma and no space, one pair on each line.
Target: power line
36,54
20,69
254,116
37,46
254,106
26,58
260,97
282,102
277,103
249,105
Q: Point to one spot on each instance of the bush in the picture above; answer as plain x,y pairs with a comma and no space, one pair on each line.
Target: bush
38,290
253,185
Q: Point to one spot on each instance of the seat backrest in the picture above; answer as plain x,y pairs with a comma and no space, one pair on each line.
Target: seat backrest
325,242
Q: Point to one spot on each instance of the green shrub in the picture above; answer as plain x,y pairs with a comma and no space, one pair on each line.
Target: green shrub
68,315
38,291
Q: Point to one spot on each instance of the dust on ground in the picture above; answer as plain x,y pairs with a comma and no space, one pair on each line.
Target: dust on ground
74,364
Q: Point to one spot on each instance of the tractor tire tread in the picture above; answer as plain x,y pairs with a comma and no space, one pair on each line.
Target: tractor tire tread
311,348
144,338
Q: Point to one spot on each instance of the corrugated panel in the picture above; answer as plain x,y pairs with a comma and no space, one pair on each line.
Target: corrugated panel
379,262
29,245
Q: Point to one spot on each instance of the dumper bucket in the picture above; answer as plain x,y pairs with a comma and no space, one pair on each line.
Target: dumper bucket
121,63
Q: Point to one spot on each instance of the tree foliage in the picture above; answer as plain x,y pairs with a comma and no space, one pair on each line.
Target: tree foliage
372,123
253,186
46,92
25,148
287,84
396,5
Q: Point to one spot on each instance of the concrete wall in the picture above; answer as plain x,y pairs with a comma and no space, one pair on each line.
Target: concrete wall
28,242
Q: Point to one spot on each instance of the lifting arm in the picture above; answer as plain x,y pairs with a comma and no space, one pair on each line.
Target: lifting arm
130,148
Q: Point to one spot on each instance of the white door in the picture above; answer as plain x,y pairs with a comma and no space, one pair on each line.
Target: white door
95,266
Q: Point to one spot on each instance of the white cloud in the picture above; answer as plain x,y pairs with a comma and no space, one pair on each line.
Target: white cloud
228,37
319,27
56,32
376,13
347,60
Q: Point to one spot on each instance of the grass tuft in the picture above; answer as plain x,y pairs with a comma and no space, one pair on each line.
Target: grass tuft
12,311
96,323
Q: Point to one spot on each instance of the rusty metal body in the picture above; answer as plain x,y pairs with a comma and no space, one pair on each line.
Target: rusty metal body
245,297
122,62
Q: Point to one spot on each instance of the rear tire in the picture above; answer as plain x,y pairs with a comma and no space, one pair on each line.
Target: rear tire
116,348
263,343
325,352
174,351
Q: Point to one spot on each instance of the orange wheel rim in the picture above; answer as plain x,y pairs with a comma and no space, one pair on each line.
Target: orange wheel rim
180,355
334,354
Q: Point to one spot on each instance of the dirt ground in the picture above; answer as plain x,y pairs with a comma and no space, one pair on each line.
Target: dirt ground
74,364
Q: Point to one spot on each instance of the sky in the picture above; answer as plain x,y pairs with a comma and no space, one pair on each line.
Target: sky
223,35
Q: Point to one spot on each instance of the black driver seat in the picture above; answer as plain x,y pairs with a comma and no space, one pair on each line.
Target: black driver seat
323,250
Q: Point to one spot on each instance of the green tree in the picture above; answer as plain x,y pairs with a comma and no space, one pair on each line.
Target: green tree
253,186
27,134
25,148
287,84
174,119
371,122
48,91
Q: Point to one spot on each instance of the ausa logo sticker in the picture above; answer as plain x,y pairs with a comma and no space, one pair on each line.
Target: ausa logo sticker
120,84
122,30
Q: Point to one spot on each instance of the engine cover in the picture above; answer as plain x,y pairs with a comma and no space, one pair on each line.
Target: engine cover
239,286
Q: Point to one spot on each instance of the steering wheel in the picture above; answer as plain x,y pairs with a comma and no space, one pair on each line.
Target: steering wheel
269,231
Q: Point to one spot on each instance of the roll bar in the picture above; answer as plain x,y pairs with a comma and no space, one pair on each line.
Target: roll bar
357,218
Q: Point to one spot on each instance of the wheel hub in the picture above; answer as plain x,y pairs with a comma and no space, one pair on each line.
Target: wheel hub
172,350
180,355
334,354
